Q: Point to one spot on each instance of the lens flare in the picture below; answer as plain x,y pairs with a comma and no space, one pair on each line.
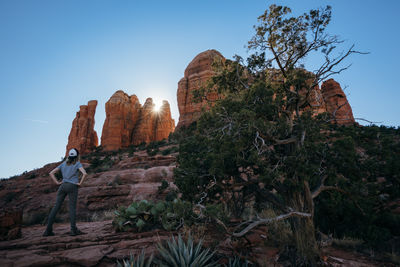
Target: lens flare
157,106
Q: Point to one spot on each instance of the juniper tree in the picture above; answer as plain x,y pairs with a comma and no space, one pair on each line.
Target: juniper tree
262,143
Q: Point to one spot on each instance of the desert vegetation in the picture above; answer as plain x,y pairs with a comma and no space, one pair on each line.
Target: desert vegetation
264,156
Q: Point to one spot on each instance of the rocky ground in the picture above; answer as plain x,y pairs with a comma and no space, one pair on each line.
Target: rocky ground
117,179
102,246
99,246
114,179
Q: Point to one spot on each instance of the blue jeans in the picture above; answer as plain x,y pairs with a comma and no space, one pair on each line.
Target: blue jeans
72,191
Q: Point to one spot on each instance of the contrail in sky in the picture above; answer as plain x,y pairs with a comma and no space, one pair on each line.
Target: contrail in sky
40,121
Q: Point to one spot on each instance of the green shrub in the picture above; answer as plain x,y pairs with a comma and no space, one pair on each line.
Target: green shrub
10,196
131,150
171,195
31,176
169,150
141,146
169,215
216,211
97,164
163,186
182,254
152,151
146,215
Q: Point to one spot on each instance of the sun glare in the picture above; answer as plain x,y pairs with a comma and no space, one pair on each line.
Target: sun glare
157,105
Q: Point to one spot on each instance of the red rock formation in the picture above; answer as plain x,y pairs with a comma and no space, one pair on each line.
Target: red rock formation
129,178
153,125
196,75
336,103
82,135
127,122
330,98
122,114
145,128
164,122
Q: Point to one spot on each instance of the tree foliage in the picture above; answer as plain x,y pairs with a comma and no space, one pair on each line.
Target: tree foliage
263,144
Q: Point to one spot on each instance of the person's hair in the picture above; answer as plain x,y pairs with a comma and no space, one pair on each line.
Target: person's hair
73,160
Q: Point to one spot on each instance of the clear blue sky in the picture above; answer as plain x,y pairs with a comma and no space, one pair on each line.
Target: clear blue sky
58,54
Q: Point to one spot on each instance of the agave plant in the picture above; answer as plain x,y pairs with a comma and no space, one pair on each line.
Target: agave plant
236,262
140,261
177,253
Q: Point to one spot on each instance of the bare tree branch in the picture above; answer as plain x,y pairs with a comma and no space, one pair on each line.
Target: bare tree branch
322,188
253,224
361,119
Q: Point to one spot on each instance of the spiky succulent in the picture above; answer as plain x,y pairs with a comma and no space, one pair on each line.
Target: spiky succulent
140,261
236,262
177,253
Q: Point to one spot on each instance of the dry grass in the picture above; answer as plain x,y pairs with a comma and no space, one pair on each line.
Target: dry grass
104,215
279,233
347,242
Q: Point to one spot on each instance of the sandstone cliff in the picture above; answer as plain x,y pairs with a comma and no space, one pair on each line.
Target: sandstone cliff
122,114
153,126
82,135
196,75
128,122
164,122
330,98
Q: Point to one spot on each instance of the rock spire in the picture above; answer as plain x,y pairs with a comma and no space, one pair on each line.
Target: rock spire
83,136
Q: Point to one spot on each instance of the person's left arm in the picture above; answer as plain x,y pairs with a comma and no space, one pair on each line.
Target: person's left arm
84,174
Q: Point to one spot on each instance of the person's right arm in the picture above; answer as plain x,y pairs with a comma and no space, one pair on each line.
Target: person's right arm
53,177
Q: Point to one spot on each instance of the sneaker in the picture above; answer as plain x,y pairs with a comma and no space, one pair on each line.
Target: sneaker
76,232
48,233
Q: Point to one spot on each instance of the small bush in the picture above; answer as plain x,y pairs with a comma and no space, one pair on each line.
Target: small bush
169,150
131,150
152,152
147,215
99,165
10,196
31,176
164,185
101,216
141,146
171,195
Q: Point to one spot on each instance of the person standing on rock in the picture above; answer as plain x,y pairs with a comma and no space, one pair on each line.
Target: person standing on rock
69,186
